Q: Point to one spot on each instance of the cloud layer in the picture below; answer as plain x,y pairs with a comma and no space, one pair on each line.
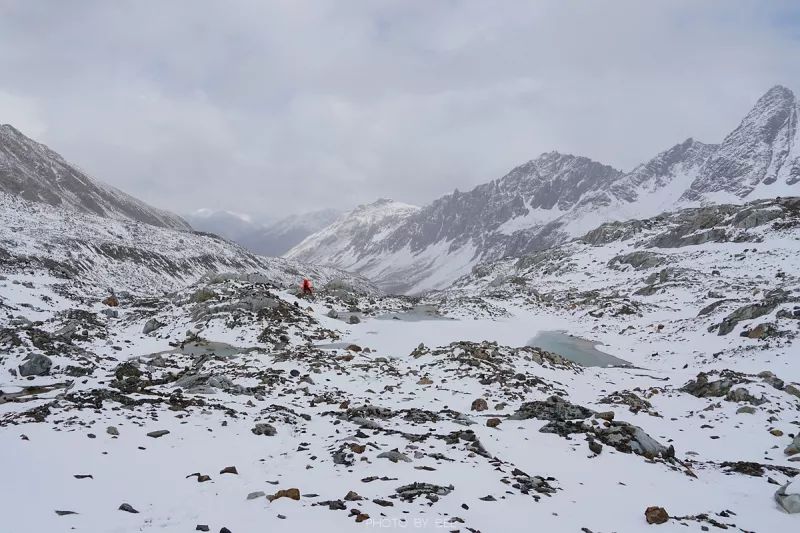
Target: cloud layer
286,106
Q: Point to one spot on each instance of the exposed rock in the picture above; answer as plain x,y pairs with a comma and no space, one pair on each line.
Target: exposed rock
789,502
229,470
794,447
292,494
264,429
256,494
746,409
35,365
354,319
554,408
127,508
479,404
159,433
394,456
111,430
493,422
656,515
152,325
412,491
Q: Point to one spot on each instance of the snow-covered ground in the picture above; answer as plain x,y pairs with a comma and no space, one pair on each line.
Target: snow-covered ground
362,411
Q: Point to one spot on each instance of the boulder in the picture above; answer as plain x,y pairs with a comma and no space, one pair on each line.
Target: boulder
479,404
794,447
656,515
264,429
35,365
554,408
789,502
151,325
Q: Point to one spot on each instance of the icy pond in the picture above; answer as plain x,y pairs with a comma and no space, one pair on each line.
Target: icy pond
575,349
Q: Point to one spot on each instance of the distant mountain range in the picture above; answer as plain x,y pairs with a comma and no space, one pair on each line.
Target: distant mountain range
557,196
265,238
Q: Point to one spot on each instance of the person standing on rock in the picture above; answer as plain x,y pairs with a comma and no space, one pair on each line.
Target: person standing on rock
307,287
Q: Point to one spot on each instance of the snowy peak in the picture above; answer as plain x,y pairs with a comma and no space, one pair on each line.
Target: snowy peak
34,172
760,158
345,239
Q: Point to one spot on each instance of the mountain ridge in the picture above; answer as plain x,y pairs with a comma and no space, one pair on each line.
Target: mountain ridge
556,197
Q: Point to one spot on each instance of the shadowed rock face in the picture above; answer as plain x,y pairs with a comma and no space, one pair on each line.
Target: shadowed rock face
37,174
762,150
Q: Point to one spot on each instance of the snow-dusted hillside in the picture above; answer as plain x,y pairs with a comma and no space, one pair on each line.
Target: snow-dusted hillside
341,242
232,405
557,197
124,255
36,173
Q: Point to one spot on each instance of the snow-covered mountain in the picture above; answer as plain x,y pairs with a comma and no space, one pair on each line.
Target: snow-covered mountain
557,197
265,238
36,173
361,228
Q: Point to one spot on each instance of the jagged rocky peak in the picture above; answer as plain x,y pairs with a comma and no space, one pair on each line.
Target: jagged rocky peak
757,159
36,173
558,180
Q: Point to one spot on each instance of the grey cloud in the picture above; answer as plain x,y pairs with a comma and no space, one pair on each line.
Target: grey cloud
277,107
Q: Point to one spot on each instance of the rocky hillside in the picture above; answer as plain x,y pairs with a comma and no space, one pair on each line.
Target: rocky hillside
37,174
230,402
102,253
557,197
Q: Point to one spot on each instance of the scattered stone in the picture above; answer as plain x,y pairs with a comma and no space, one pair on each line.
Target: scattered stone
111,430
256,494
493,422
65,513
656,515
293,494
127,508
789,502
229,470
354,319
554,408
159,433
202,527
412,491
595,447
152,325
352,496
794,447
746,409
394,456
479,405
264,429
35,365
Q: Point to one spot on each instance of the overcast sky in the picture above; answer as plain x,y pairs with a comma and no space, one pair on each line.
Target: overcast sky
275,107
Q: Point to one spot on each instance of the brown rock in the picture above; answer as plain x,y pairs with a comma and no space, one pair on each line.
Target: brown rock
493,422
352,496
776,432
480,405
357,448
229,470
606,415
354,348
425,381
361,517
293,494
656,515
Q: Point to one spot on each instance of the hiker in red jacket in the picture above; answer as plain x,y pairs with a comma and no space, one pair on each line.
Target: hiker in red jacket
308,288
